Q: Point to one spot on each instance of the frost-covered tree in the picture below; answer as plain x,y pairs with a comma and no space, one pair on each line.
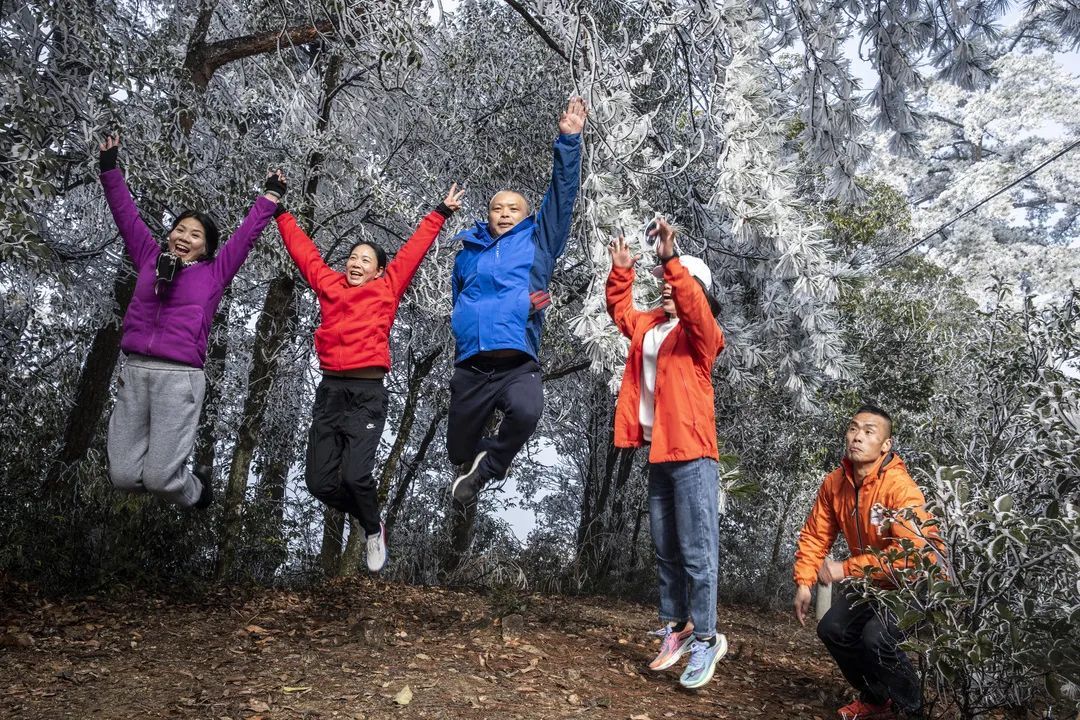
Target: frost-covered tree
977,142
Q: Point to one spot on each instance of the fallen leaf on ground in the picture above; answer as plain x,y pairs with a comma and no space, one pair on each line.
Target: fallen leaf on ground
404,696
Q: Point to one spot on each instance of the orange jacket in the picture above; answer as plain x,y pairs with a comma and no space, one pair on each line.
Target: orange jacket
684,424
840,507
355,328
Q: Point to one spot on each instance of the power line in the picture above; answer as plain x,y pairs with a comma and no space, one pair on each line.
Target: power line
982,202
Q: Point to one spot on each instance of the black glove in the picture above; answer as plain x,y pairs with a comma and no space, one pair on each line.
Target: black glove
107,158
275,185
280,210
443,210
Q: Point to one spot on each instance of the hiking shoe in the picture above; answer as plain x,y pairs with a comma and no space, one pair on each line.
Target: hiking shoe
376,550
466,486
703,659
204,473
672,646
859,710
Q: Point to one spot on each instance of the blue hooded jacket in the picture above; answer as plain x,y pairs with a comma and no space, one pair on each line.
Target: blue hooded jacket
493,277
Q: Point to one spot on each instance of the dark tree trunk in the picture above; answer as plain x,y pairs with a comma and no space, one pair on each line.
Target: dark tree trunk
270,333
417,462
330,552
92,389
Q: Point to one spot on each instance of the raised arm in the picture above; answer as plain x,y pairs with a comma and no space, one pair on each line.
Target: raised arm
400,270
304,253
695,317
138,240
619,289
557,209
232,255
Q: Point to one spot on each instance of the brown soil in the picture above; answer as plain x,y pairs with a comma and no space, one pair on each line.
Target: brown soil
347,649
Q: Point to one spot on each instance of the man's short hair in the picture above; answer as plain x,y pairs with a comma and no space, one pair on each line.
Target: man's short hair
875,410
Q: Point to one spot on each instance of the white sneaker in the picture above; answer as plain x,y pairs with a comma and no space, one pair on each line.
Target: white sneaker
376,550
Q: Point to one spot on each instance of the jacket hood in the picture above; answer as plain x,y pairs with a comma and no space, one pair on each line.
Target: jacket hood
479,234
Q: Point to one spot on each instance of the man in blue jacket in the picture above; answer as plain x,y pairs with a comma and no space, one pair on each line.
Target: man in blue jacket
500,285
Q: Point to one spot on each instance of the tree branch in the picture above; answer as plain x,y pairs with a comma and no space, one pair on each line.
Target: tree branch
204,60
535,24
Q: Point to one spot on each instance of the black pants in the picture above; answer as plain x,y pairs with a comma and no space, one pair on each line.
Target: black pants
346,424
478,388
863,641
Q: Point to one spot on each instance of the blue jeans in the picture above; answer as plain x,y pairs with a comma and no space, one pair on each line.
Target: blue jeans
683,519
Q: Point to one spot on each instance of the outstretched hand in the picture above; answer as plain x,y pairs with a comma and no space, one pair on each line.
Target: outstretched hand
621,257
108,151
573,120
664,234
454,197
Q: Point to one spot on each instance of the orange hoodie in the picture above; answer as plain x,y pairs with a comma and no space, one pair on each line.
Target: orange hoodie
684,427
841,507
355,328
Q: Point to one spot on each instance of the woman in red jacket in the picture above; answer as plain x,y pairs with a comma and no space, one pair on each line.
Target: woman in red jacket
353,343
666,400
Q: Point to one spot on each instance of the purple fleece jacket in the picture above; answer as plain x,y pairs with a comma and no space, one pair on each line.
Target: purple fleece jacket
175,325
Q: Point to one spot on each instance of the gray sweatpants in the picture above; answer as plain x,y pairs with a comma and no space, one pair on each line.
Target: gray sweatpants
152,428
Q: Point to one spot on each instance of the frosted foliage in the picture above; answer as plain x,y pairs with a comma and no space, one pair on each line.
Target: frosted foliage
979,141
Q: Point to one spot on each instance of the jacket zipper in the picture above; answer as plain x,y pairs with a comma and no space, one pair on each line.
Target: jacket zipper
858,523
153,331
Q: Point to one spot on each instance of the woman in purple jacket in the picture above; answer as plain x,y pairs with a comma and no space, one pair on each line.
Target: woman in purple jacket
161,386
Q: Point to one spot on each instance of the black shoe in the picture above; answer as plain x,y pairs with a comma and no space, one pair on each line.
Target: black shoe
204,473
466,487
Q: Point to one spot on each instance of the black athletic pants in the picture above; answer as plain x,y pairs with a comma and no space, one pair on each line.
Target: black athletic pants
346,424
478,388
863,641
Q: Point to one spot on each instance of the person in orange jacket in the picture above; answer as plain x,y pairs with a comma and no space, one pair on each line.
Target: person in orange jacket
666,400
353,342
858,499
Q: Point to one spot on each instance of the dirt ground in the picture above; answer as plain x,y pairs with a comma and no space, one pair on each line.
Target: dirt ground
367,649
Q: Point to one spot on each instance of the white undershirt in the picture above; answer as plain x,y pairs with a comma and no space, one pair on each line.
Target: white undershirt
650,350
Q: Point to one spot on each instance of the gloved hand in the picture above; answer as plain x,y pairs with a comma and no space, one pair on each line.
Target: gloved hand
107,153
539,300
275,183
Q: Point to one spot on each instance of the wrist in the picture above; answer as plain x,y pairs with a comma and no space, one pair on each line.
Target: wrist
272,196
444,210
665,260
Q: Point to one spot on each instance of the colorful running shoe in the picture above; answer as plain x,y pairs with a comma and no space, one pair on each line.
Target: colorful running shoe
703,659
859,710
672,646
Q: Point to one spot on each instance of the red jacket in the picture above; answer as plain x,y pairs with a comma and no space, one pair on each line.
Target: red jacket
355,328
684,422
840,507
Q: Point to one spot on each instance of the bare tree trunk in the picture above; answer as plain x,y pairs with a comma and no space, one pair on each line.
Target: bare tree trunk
459,521
421,368
277,317
270,332
330,552
414,467
92,389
